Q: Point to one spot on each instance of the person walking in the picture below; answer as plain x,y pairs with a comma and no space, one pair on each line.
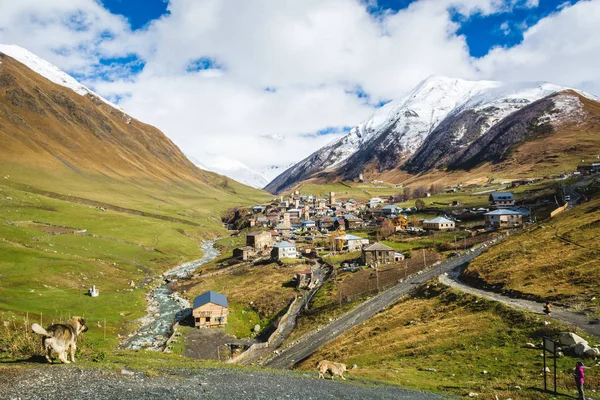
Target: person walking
547,308
579,376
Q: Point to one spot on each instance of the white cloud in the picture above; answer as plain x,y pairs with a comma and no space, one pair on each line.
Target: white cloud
505,28
563,48
311,53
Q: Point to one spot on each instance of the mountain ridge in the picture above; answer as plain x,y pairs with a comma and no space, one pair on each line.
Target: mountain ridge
56,136
394,136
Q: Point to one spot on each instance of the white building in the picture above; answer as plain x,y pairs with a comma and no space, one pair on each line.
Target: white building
503,218
439,224
284,250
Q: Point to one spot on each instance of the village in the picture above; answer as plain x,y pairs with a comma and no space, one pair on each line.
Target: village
365,246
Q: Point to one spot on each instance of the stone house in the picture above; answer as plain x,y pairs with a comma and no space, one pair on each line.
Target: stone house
379,253
259,240
303,279
243,253
210,309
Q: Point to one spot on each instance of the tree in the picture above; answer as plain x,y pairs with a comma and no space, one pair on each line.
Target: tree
420,204
420,191
436,188
387,229
408,192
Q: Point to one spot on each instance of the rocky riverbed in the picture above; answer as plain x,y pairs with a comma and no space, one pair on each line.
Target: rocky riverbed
166,308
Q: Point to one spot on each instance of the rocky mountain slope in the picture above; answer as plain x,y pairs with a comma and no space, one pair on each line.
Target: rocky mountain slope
58,135
442,123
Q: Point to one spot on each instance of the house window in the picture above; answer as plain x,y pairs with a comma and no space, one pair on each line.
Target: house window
207,320
198,320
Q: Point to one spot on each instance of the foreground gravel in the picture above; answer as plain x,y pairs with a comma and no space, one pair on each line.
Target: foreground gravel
61,382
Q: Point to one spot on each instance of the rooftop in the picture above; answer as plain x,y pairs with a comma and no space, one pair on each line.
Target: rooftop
438,220
257,233
348,237
504,212
502,196
210,297
284,244
378,247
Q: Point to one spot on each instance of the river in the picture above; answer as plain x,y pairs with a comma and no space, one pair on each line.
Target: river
166,308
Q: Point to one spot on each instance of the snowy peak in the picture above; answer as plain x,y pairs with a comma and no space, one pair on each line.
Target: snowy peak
237,170
457,110
49,71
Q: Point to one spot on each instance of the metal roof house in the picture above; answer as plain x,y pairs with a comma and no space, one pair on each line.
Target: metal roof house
439,224
503,218
502,199
284,250
210,309
349,242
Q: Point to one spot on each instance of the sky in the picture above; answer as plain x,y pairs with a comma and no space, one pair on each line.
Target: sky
264,83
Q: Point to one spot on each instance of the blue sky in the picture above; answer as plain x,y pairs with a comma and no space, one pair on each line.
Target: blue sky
482,32
138,12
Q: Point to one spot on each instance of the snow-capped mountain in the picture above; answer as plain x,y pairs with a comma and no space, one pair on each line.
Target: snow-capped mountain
232,168
50,71
403,132
237,170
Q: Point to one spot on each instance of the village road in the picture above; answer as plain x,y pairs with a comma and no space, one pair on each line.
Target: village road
309,343
58,382
579,320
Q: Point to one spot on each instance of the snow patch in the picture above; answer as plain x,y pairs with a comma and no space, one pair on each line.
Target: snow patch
567,108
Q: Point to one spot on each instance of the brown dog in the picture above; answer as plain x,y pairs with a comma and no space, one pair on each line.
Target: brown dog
333,368
61,338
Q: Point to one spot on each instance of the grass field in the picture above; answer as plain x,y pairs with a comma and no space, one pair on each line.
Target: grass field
45,268
443,340
557,260
256,294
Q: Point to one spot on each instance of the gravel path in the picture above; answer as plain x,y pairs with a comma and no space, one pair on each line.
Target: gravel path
581,321
309,343
66,382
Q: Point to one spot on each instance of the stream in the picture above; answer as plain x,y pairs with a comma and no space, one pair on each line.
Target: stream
166,308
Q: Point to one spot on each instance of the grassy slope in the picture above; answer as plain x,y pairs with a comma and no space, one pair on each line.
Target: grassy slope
44,274
457,336
255,294
81,150
557,260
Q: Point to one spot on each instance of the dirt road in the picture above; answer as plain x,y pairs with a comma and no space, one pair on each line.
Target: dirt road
578,320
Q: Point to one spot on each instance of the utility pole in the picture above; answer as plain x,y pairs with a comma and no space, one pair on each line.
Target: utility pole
377,274
340,290
424,262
